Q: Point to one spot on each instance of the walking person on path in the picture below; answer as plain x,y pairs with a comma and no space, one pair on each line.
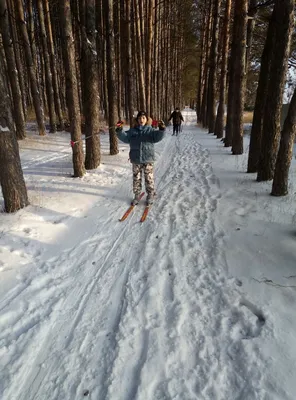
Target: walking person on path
177,118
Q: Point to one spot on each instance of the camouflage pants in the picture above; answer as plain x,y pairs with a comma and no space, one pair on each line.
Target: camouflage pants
137,178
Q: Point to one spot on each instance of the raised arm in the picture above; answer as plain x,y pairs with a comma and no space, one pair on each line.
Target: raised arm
158,134
121,134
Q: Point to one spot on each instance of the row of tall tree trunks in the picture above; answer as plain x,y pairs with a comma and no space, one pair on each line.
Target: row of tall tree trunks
83,64
223,77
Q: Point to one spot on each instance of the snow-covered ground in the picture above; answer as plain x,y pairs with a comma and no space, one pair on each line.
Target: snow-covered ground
198,302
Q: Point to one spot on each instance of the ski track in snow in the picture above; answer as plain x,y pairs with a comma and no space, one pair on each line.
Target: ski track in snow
119,316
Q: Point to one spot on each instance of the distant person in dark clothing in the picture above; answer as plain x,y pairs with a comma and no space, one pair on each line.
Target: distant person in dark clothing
177,118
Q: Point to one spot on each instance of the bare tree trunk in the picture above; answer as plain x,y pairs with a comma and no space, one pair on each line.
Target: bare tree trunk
90,87
159,94
257,124
105,81
155,105
53,66
18,57
48,74
72,88
284,157
219,126
12,71
101,50
204,102
111,74
140,63
201,63
250,30
150,6
271,120
11,175
76,24
160,69
118,48
168,57
234,122
31,67
129,61
31,32
152,62
239,71
211,109
125,30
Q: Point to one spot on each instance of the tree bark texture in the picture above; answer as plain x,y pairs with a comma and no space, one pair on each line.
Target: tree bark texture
90,87
201,63
257,124
31,67
11,175
111,76
285,154
239,69
204,102
22,76
237,79
148,53
211,109
284,21
139,55
72,88
47,70
129,62
12,71
250,30
53,66
219,125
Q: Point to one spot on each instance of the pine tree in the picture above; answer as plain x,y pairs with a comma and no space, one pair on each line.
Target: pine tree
11,175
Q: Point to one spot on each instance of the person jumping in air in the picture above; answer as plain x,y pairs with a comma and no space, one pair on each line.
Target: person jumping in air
141,139
177,120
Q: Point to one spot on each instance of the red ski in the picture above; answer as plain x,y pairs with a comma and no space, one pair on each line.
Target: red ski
129,210
145,213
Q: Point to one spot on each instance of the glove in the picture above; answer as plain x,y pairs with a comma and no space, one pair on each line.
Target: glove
161,125
119,125
154,123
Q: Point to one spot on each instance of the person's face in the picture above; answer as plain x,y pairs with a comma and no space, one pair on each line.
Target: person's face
142,120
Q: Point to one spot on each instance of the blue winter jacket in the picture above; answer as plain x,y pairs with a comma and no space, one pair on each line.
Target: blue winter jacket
141,140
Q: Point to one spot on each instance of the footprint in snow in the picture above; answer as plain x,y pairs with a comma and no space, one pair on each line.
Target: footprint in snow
260,322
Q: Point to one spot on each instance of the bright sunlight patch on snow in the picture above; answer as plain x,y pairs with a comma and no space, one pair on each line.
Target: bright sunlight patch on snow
198,302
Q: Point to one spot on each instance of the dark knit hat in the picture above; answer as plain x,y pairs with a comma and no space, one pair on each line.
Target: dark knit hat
140,113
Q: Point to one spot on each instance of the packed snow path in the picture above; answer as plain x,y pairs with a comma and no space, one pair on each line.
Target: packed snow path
138,311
